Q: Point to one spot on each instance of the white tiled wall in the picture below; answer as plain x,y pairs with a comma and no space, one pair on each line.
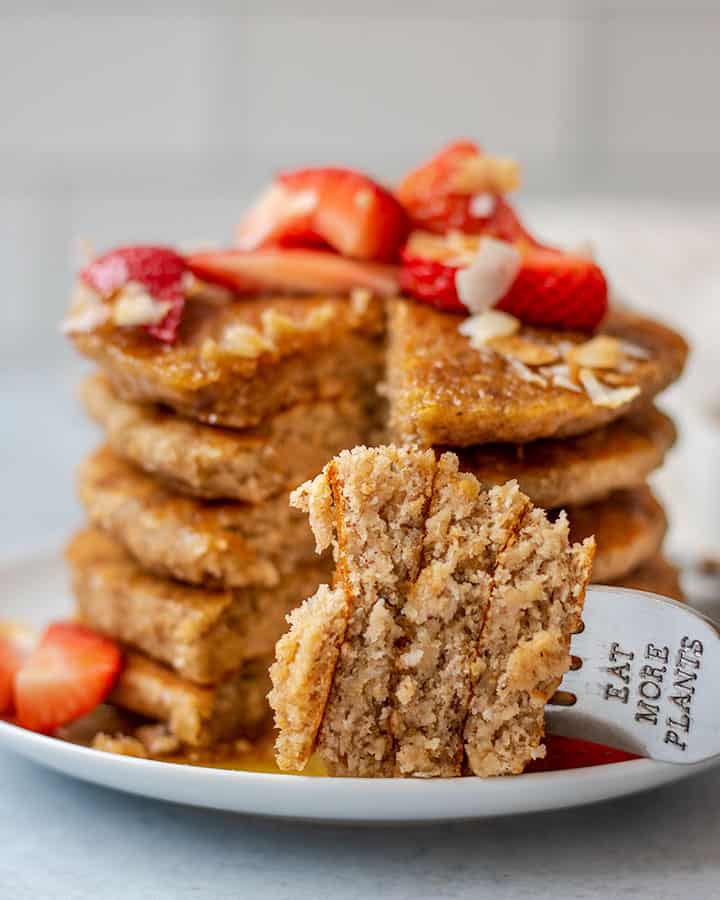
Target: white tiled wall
156,125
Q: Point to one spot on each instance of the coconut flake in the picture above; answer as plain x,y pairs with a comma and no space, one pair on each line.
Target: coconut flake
487,325
489,275
524,373
601,395
85,320
135,306
482,205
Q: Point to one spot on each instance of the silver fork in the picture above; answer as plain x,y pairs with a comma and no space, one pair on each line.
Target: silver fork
645,678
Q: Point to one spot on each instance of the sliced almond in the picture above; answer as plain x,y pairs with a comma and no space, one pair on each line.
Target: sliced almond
602,395
524,373
528,352
486,174
560,376
600,352
133,306
635,351
84,320
488,325
245,341
360,300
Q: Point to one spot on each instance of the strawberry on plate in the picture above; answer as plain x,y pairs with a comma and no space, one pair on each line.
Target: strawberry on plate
326,207
469,273
16,642
461,189
573,753
69,672
292,272
158,271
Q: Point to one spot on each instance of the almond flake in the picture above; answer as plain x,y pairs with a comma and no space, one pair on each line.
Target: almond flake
83,321
245,341
600,352
525,374
560,376
275,325
485,174
487,325
133,306
360,300
634,350
601,395
525,351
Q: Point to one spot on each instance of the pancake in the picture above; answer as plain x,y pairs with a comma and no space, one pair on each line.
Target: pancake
578,469
198,541
658,576
238,363
250,465
443,391
203,634
629,527
197,716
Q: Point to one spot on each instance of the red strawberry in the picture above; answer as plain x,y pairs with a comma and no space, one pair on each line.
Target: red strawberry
330,207
439,196
551,289
15,644
292,271
159,269
70,671
571,753
557,290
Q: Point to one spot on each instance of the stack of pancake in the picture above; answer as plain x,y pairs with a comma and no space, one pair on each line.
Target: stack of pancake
193,556
515,409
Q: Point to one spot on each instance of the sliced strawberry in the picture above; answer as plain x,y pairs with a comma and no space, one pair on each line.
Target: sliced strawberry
331,207
292,272
16,642
70,671
159,269
449,193
572,753
557,290
551,289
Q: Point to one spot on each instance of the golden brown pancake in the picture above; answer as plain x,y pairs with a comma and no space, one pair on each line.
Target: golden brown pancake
199,541
204,634
629,527
578,469
444,391
251,465
238,363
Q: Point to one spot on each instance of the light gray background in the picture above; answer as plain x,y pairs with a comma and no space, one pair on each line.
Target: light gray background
138,121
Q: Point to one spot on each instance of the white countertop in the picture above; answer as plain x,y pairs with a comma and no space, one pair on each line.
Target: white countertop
61,838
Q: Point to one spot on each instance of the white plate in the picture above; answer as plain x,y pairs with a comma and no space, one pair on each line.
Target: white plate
34,590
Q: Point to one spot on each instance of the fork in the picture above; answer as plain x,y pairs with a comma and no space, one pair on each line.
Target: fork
645,677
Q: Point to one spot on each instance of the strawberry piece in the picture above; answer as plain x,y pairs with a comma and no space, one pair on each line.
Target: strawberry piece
159,269
436,200
15,645
572,753
70,671
326,207
557,290
292,271
552,289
